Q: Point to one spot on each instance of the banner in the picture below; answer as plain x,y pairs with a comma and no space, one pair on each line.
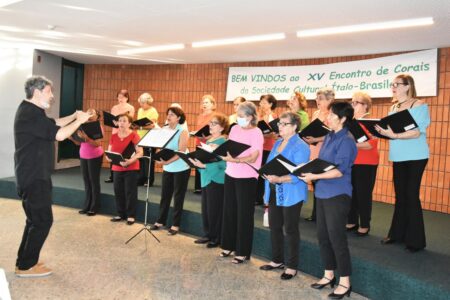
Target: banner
372,76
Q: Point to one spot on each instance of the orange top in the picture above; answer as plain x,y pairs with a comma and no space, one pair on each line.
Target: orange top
202,120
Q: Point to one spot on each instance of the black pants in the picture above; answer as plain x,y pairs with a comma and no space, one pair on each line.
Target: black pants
407,223
212,210
238,215
125,190
260,191
90,168
37,204
363,181
197,183
173,184
285,218
144,170
331,233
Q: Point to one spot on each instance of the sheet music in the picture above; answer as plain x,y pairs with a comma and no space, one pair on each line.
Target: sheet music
157,137
289,167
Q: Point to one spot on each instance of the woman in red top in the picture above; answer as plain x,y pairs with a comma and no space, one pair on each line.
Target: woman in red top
364,172
267,105
208,108
125,175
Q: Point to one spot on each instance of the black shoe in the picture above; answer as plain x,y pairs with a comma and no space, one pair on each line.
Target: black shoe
197,191
225,253
109,180
286,276
352,228
155,227
212,245
91,213
269,267
82,212
387,240
319,286
238,261
202,240
333,295
310,219
116,219
130,221
172,232
358,233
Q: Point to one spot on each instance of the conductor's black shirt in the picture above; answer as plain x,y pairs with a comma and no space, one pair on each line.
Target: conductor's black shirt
34,136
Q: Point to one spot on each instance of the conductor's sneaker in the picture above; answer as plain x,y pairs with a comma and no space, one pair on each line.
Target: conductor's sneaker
35,271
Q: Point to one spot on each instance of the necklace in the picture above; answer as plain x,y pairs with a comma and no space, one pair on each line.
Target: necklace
399,104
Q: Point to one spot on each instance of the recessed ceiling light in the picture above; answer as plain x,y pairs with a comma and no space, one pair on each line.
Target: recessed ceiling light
150,49
4,3
365,27
239,40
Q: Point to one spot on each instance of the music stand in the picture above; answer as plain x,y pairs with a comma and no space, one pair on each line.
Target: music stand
154,138
146,226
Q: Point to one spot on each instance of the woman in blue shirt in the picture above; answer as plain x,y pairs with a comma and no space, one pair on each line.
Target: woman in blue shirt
175,173
212,182
285,196
409,153
333,193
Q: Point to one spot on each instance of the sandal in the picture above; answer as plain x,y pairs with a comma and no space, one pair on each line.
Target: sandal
237,260
226,253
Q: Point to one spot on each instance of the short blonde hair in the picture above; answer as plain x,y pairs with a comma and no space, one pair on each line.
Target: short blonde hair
145,98
327,92
365,98
211,98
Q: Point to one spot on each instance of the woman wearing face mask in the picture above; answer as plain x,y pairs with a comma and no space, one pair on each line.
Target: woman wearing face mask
91,157
208,107
324,97
297,104
364,172
285,196
333,193
409,153
175,174
125,175
213,176
240,186
238,100
122,107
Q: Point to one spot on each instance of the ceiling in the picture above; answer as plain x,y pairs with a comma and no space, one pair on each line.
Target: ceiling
95,34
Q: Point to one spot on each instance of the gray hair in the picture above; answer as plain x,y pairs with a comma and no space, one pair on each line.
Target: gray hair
294,119
36,83
249,109
145,98
327,92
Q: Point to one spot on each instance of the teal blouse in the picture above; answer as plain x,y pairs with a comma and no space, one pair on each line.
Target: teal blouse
214,171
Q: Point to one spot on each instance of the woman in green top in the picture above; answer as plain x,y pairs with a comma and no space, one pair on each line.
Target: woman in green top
297,104
212,181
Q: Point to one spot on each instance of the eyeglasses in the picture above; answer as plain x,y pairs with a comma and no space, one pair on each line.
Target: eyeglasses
354,103
213,123
283,124
396,84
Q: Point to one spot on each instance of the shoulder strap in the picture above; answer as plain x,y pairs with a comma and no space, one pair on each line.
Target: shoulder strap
412,104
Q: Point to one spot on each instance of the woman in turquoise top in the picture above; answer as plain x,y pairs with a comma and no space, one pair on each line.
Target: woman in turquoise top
409,153
212,182
285,196
297,104
175,173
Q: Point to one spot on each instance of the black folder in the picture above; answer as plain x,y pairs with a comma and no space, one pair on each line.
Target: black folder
142,122
233,147
358,132
164,154
185,157
315,129
202,132
399,122
76,137
274,125
109,118
204,156
370,126
265,128
315,166
275,167
118,157
92,129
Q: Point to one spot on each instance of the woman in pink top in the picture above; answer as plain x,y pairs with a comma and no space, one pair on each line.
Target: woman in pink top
91,157
240,186
324,97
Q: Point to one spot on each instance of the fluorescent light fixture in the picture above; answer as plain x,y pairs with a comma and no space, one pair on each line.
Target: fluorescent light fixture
76,7
133,43
150,49
11,29
365,27
52,34
4,3
240,40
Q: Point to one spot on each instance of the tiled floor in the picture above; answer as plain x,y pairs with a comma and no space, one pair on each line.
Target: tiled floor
91,261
